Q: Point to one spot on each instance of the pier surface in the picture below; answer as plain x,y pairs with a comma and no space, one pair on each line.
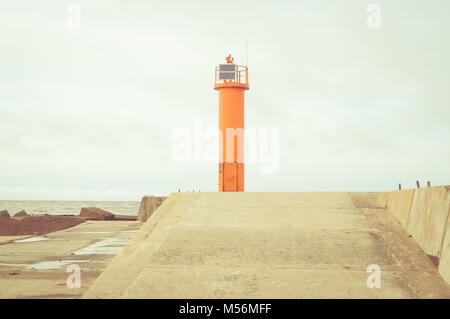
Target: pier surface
36,267
271,245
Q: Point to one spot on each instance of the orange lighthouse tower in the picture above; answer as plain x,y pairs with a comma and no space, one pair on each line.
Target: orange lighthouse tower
231,80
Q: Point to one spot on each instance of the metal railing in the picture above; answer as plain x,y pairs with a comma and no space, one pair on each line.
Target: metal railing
241,76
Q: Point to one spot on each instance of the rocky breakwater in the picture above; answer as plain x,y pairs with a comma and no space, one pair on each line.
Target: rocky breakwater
25,224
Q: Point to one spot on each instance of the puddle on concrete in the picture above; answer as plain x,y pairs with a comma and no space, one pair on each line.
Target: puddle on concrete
107,246
54,264
31,240
96,232
44,265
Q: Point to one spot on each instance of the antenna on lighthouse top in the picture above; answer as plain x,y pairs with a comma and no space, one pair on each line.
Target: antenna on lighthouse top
246,52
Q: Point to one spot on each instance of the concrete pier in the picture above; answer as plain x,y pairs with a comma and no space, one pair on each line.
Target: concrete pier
278,245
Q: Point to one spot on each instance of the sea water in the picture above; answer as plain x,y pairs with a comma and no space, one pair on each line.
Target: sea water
41,207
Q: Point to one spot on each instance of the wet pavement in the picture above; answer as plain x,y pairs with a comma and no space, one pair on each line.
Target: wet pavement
39,266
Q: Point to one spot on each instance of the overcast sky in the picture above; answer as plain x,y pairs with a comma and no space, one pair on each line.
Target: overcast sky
88,113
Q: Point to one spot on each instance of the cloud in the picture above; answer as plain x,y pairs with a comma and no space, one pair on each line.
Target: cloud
94,108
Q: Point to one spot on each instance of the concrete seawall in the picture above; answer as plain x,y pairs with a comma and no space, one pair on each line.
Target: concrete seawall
148,205
399,203
424,214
